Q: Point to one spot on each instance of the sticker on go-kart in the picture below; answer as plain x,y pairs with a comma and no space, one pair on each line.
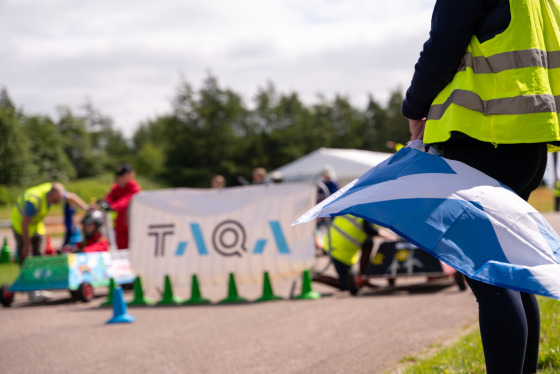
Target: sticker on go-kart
42,273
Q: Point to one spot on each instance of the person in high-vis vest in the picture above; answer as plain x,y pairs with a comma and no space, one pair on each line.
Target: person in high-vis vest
349,240
484,92
29,212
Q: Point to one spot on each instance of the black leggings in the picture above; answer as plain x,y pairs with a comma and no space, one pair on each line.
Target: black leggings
509,327
509,320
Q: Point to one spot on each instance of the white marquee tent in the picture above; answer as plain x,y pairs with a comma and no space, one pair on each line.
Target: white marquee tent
348,164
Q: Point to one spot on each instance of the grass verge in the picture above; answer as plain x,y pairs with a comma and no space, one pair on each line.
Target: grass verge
466,355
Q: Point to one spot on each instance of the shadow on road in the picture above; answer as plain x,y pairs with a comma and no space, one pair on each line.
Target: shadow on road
424,288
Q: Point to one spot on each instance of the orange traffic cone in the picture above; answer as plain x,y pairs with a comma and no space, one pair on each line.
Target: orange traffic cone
49,249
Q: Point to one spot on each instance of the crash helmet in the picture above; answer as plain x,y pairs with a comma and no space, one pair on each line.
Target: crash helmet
95,217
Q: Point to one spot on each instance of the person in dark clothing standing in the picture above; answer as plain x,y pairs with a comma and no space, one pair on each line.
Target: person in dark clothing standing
483,93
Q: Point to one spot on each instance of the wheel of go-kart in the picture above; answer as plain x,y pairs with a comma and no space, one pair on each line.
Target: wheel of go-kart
85,292
460,281
6,297
391,281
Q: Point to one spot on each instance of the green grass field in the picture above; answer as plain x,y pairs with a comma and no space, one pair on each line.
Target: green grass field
466,356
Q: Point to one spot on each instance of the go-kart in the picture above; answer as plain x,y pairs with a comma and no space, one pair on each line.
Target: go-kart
77,272
401,258
393,259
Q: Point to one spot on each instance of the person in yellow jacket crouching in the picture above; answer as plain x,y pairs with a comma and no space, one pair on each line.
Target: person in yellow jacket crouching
349,240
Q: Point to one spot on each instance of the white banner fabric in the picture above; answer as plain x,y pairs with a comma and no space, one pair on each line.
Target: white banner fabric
214,232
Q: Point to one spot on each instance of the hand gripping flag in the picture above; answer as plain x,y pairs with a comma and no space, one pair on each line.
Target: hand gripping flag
458,214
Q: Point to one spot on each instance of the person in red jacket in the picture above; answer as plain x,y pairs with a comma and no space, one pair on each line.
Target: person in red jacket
118,198
94,241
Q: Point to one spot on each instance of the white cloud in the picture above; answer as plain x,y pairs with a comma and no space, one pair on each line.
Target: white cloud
126,56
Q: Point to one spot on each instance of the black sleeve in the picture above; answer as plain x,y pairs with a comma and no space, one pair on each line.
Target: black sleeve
454,22
370,229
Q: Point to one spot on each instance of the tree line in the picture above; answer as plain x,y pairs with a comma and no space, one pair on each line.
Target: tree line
208,131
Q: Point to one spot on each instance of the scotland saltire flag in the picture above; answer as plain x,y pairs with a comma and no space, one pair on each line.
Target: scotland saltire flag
458,214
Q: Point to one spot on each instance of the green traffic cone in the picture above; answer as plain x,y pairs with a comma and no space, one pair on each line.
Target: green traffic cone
196,297
268,295
168,298
139,299
109,301
5,254
307,292
232,293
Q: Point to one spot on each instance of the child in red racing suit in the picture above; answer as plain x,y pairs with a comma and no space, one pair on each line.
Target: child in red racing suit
94,241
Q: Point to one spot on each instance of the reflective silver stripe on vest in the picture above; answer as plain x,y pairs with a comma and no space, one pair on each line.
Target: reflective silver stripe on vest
525,104
351,239
510,60
355,221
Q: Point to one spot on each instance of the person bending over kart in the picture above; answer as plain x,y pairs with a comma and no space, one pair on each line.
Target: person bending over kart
348,235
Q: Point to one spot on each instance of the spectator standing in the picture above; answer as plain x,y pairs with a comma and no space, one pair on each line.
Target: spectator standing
328,184
259,175
118,198
218,181
328,177
483,93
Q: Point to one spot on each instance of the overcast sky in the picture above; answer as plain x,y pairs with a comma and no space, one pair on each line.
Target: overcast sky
127,56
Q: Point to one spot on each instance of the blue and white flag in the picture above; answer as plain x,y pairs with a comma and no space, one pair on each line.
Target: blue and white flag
458,214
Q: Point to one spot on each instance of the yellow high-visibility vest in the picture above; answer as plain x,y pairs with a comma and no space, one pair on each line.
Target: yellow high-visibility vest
507,89
346,237
38,197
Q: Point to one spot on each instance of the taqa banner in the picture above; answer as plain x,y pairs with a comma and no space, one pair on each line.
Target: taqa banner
213,232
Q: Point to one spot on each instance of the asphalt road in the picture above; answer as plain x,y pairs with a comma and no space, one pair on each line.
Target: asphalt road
339,333
336,334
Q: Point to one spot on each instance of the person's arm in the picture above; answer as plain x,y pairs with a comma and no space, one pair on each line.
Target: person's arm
75,200
370,229
387,234
417,127
121,204
111,196
453,25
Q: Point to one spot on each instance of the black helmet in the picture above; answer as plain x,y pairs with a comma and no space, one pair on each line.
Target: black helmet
94,216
